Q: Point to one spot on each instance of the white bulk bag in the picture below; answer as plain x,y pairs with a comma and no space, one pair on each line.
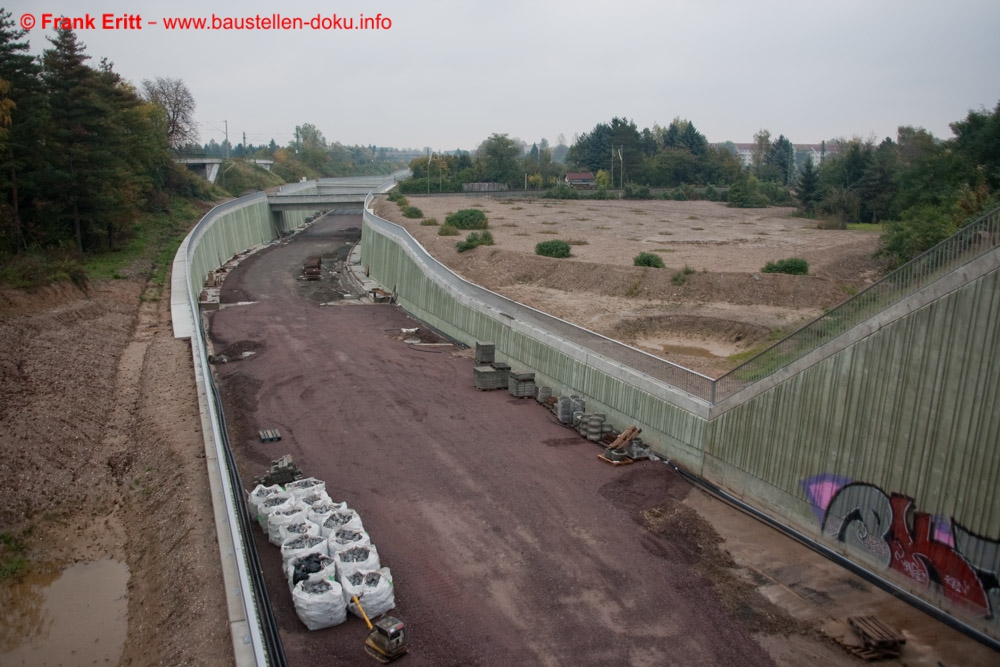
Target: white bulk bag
355,559
319,604
300,546
293,512
259,493
345,539
311,567
376,592
272,504
342,520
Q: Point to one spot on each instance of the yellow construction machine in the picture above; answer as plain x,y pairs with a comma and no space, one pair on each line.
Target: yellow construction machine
387,637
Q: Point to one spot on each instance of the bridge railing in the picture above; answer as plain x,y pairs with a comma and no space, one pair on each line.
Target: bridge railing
975,239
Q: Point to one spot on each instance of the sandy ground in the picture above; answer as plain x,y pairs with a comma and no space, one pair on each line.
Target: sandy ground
103,460
724,306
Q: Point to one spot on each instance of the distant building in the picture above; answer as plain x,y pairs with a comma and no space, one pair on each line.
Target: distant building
581,179
745,152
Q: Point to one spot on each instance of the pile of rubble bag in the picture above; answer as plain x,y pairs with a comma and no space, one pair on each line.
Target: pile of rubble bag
326,554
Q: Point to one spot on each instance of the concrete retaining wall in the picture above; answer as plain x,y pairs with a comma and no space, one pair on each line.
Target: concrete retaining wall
881,445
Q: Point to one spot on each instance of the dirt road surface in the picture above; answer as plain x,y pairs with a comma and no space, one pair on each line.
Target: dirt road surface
509,541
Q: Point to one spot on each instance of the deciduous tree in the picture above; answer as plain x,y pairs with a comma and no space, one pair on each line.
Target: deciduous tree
177,102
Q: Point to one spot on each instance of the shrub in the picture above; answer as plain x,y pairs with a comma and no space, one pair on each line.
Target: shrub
395,196
467,218
648,259
447,230
553,248
711,194
746,193
633,191
412,212
601,193
795,266
562,191
430,222
474,240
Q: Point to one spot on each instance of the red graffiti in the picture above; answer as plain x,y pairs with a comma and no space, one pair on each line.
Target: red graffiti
917,555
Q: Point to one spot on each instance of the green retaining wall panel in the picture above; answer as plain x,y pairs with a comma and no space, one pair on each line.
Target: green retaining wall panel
908,410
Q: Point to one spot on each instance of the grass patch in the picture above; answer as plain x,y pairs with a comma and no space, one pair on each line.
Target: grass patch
633,289
157,238
412,212
522,233
681,276
581,219
448,230
517,208
664,250
429,222
665,233
693,217
698,229
578,241
509,224
637,211
602,227
849,290
550,223
13,562
866,227
795,266
548,231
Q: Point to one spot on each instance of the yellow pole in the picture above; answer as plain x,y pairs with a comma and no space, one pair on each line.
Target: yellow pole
355,600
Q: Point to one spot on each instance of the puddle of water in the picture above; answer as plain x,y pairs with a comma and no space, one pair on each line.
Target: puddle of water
75,616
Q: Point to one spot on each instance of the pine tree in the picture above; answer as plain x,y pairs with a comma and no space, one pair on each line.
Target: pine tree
807,191
22,149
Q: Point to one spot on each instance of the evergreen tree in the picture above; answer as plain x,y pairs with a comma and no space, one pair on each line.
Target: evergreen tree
23,149
807,191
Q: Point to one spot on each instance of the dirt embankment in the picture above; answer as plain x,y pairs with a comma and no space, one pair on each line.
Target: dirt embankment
709,303
103,458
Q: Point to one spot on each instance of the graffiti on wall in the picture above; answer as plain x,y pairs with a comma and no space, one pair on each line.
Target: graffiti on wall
886,530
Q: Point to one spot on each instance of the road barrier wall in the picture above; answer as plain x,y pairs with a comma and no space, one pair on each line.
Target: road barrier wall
880,445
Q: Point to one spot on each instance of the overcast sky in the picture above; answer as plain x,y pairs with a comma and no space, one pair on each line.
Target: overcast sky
447,74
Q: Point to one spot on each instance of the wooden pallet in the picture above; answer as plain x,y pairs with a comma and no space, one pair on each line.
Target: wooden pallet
623,462
876,635
868,638
269,435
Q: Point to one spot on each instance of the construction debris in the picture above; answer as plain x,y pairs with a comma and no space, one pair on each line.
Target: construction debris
870,639
269,435
312,269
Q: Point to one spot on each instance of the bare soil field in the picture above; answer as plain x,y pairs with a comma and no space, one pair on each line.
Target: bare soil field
710,302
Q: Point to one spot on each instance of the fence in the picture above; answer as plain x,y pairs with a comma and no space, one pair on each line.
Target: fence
970,242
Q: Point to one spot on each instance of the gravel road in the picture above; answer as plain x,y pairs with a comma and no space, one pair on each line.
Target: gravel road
509,541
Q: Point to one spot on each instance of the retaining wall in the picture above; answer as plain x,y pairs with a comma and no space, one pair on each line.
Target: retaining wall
881,445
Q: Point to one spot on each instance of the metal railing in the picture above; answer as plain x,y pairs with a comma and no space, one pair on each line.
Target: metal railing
972,241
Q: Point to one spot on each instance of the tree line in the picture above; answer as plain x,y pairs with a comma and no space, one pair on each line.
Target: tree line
82,154
85,155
